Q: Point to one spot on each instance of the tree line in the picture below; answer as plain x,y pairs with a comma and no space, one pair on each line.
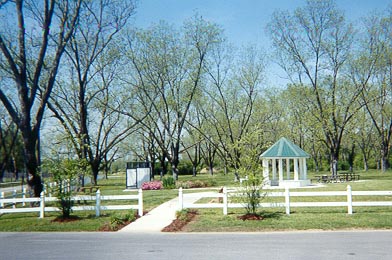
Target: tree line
79,81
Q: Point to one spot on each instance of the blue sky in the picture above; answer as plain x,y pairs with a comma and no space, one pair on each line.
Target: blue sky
243,21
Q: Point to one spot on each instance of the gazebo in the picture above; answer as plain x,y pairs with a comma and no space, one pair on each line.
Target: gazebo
280,157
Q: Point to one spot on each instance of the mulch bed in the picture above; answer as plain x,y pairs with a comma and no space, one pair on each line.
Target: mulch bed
178,224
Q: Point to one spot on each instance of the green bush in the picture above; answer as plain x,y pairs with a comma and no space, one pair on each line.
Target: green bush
65,173
195,184
185,168
252,193
168,182
182,214
119,219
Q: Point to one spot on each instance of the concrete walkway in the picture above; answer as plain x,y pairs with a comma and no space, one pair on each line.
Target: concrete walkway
158,218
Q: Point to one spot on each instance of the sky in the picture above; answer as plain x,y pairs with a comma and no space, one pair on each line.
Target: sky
243,21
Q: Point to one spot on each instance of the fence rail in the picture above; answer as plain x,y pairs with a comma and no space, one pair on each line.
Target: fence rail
287,195
98,198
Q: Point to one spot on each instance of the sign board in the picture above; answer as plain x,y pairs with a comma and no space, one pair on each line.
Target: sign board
137,174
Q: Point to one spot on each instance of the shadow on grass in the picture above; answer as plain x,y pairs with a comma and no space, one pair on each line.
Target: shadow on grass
275,215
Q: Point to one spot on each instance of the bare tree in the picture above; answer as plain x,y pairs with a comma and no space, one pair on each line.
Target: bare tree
232,100
372,71
168,71
83,101
33,38
313,45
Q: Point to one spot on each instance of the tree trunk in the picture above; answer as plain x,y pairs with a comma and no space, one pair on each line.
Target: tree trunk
16,170
384,158
163,166
175,159
351,157
211,168
365,163
334,165
194,172
175,172
33,180
95,170
316,164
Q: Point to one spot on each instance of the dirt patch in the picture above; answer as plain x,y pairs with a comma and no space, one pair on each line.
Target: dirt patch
178,224
250,217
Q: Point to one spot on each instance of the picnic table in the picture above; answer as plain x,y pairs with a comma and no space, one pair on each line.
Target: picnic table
326,178
89,189
341,177
348,176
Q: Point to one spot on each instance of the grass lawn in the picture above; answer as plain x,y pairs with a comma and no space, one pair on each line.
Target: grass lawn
212,220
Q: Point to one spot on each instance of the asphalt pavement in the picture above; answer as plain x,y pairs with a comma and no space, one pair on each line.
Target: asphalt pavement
359,245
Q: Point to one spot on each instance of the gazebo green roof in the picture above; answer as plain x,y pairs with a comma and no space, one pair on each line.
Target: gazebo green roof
284,149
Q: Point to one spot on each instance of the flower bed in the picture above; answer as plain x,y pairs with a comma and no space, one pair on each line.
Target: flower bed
152,185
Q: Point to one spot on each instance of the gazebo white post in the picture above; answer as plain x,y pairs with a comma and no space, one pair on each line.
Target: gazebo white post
273,169
280,169
288,168
266,171
305,169
301,172
295,169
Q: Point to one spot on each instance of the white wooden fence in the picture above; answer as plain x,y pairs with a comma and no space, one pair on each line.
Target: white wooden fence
98,207
223,199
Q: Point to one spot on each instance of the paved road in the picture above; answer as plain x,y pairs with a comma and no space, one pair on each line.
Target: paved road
293,245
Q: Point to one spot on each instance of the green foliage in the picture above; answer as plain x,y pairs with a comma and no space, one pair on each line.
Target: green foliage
251,170
195,184
252,193
168,182
119,219
65,174
185,167
182,214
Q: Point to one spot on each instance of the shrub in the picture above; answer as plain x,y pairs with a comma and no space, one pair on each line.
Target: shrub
252,193
152,185
185,168
65,173
183,184
182,214
195,184
120,219
168,182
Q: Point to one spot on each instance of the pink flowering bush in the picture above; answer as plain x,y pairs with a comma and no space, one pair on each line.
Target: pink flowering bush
152,185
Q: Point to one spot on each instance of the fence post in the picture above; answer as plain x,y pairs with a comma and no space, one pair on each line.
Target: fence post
349,200
2,196
140,202
180,199
224,201
42,205
97,203
24,196
14,193
287,200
